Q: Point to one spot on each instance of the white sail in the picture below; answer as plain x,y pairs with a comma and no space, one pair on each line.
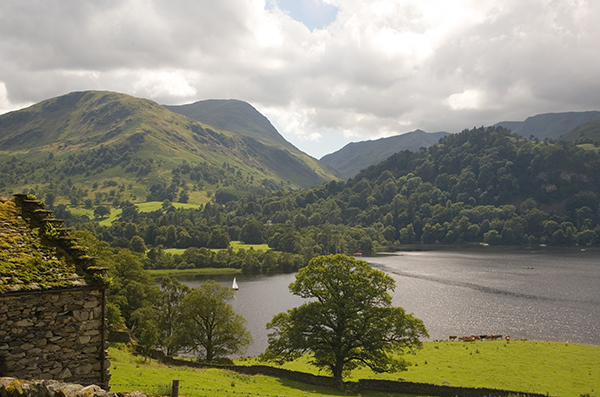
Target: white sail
234,285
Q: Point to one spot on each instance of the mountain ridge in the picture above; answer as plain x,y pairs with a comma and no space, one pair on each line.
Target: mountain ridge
242,118
356,156
144,132
550,125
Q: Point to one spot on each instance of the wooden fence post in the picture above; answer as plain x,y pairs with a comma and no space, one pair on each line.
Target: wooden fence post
175,389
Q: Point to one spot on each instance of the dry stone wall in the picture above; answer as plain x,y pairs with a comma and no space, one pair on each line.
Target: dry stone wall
10,387
54,335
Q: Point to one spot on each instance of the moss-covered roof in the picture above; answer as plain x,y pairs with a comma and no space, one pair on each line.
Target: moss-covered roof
34,253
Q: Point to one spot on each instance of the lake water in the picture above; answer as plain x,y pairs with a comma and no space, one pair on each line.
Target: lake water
533,294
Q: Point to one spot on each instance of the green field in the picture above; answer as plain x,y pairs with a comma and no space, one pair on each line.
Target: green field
148,206
186,272
131,373
237,245
554,368
560,369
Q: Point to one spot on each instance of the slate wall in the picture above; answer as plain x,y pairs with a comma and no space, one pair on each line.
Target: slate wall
54,335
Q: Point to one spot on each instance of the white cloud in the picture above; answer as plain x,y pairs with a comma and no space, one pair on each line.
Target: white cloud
163,84
381,67
468,99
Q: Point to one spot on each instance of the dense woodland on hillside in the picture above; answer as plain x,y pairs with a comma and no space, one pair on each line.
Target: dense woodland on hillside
485,185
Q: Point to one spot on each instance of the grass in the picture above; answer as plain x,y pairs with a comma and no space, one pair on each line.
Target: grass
115,213
181,272
237,245
131,373
556,368
175,251
150,206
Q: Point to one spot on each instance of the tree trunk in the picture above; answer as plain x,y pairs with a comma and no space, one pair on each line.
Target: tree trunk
337,370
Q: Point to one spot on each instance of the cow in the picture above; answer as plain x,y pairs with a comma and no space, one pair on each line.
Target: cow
452,337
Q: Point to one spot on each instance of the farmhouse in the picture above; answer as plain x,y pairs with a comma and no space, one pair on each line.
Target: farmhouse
52,299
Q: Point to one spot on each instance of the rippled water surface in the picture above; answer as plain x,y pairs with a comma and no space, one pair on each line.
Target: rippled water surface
532,294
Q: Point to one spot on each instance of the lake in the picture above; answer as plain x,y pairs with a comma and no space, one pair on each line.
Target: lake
538,294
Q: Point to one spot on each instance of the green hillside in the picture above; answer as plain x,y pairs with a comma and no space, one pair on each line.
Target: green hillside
357,156
481,186
584,134
87,141
235,116
550,125
242,118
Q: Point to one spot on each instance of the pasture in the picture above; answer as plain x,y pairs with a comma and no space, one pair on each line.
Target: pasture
188,272
129,373
554,368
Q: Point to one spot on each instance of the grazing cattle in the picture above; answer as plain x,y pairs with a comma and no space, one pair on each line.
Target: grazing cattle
467,338
507,338
452,337
493,336
483,336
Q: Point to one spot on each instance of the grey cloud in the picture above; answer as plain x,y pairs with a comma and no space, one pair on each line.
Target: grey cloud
516,58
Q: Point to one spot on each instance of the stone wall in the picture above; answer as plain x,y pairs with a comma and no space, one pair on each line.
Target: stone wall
386,386
10,387
54,335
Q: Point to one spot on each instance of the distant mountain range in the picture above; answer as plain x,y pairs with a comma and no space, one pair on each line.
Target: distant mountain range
142,144
588,131
356,156
550,125
66,133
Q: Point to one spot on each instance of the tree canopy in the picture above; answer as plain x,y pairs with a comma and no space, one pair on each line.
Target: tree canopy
208,325
349,321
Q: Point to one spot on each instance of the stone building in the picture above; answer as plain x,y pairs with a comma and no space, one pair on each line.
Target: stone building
52,299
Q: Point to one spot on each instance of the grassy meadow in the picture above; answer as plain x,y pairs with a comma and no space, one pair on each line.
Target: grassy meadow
553,368
187,272
148,206
235,245
128,370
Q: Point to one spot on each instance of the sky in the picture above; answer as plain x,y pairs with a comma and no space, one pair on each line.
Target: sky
325,72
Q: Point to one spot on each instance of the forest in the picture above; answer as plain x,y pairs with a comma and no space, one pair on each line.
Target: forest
481,186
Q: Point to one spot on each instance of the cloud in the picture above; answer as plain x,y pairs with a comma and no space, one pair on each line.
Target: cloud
375,69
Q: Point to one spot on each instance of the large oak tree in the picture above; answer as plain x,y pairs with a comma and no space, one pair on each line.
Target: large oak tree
348,322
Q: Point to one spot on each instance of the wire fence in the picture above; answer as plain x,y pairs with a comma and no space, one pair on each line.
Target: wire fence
166,390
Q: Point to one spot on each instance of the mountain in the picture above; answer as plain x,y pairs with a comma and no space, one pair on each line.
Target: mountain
356,156
232,115
587,132
549,125
100,138
242,118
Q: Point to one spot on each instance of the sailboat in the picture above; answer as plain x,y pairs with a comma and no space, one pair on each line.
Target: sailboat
234,286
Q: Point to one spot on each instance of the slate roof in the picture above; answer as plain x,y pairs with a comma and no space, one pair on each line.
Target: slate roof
36,253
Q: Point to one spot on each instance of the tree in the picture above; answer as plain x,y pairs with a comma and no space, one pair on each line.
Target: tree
209,327
101,211
169,311
137,244
145,328
349,321
252,232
